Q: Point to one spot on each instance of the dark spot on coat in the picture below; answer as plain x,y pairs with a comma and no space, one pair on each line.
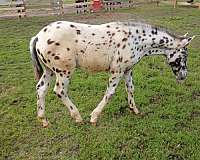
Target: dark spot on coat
42,83
153,39
57,44
57,70
149,51
38,86
44,60
56,57
62,92
45,29
71,25
124,39
68,49
49,41
78,31
59,96
38,51
124,46
161,41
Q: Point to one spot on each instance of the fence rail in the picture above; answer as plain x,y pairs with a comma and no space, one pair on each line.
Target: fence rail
22,9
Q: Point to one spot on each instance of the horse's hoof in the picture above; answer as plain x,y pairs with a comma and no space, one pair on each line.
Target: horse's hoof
141,114
134,110
93,124
45,124
80,122
44,121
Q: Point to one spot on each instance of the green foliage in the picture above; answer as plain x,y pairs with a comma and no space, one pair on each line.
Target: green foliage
169,128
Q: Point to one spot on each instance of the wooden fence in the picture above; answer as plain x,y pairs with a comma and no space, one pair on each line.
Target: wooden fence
56,7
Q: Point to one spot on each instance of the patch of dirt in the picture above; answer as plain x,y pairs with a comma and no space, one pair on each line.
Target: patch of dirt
156,99
141,145
4,89
16,101
174,156
195,114
165,116
196,95
181,126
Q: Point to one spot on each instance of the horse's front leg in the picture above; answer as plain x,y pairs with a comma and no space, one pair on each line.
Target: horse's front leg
112,85
130,89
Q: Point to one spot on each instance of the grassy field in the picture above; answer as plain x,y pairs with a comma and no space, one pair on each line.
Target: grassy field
169,128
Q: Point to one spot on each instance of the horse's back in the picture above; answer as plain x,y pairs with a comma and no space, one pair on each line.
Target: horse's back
67,45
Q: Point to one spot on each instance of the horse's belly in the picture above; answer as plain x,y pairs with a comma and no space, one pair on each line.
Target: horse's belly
94,62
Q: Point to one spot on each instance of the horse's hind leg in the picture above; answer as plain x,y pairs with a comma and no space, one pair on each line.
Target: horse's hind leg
42,87
61,90
113,83
130,89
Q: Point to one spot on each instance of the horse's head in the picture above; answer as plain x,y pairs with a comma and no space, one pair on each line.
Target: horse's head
177,58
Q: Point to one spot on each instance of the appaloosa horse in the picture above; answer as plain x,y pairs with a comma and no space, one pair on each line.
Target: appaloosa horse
115,47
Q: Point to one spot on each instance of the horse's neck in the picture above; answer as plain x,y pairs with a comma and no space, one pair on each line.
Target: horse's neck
148,41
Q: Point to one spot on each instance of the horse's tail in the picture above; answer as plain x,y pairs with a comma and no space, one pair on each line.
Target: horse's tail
36,63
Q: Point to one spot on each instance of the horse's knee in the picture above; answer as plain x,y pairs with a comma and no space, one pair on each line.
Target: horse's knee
59,91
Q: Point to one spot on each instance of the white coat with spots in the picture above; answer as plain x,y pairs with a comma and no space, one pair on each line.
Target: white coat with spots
114,47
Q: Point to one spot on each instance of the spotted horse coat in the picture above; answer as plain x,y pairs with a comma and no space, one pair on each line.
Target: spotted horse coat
115,47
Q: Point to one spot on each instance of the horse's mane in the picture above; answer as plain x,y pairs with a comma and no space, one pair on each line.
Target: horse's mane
149,26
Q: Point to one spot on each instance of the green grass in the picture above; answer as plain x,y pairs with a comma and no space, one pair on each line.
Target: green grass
169,128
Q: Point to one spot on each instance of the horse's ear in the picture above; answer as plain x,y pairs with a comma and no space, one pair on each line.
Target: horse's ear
185,35
185,41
